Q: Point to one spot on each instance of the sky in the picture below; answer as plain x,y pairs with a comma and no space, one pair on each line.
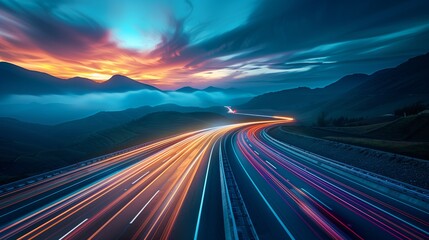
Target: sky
253,45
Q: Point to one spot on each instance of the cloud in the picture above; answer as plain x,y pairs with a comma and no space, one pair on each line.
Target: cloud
57,35
279,38
291,31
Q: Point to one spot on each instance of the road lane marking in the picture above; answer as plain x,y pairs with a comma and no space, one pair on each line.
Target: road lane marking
141,210
256,152
296,151
140,178
271,165
65,235
311,195
56,192
204,192
263,198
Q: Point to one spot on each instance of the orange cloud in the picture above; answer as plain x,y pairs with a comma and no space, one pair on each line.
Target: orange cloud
46,43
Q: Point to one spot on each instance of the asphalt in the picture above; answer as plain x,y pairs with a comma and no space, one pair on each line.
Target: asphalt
172,190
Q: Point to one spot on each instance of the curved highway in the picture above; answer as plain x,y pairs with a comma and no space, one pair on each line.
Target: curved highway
233,182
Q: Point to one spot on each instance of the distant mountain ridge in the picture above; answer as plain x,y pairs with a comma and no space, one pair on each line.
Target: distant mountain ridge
354,95
24,94
303,98
18,80
211,89
123,83
187,89
387,89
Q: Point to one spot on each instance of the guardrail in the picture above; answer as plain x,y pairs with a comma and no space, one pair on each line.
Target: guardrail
419,194
46,175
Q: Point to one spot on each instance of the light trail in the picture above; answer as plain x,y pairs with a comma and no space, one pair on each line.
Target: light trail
65,235
233,111
142,176
170,187
265,116
141,210
364,207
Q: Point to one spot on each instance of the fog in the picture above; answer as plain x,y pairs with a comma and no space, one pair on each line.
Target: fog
52,109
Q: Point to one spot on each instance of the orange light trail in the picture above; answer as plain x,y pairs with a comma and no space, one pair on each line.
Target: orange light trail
143,193
171,171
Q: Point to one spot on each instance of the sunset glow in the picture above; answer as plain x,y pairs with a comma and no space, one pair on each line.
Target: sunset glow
170,44
214,119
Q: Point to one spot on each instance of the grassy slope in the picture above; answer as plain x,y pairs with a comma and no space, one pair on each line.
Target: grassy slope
408,136
156,125
147,128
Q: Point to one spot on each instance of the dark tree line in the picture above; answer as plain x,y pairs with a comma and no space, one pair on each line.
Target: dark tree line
412,109
323,120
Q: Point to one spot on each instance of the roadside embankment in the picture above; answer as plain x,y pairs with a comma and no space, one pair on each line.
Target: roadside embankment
402,168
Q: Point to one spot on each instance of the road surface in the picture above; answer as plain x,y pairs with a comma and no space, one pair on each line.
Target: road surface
230,182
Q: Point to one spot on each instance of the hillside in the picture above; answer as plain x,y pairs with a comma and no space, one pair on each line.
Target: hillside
386,90
299,100
28,149
104,120
411,128
149,127
18,132
356,95
405,135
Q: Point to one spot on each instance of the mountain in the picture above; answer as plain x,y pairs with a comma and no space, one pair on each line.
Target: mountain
18,80
357,95
223,90
386,90
213,89
346,83
123,84
210,89
187,89
301,99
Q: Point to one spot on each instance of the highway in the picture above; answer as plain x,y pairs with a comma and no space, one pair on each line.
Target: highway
228,182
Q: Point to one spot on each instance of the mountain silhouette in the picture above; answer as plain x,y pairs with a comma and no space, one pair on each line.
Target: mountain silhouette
304,98
18,80
210,89
187,89
355,95
388,89
122,83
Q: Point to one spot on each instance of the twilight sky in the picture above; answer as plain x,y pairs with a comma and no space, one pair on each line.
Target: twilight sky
250,44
